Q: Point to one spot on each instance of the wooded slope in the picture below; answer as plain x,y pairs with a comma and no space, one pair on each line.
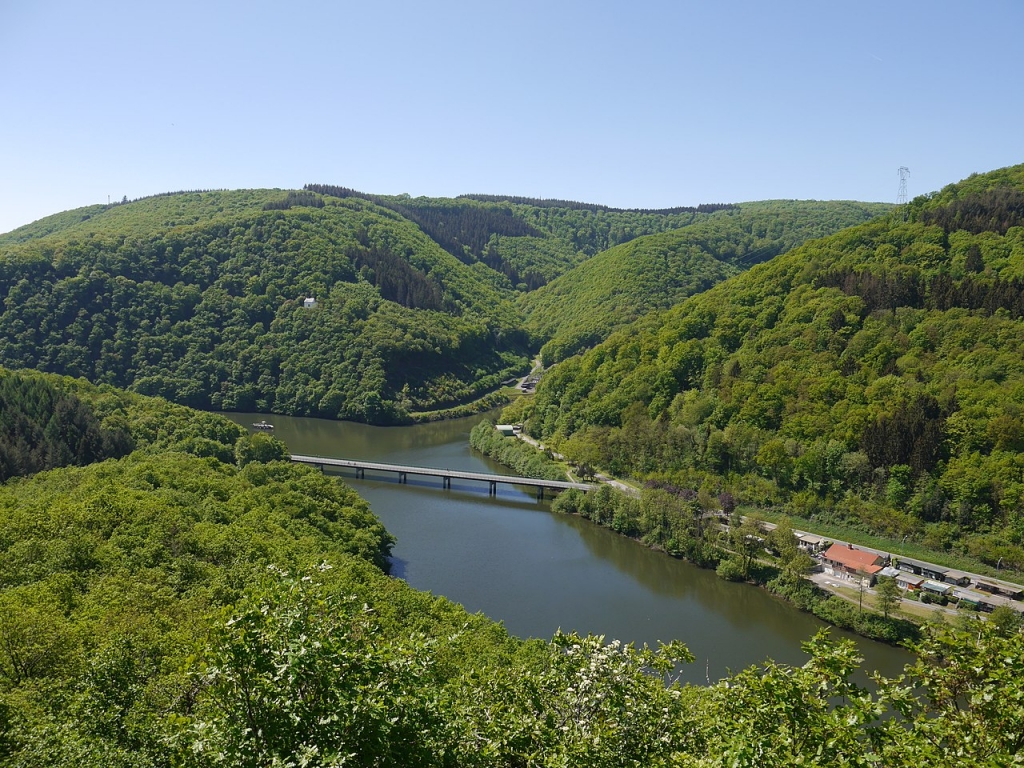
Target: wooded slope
198,297
871,378
619,285
198,602
528,241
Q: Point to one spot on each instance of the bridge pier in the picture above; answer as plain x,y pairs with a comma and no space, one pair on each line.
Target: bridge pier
446,474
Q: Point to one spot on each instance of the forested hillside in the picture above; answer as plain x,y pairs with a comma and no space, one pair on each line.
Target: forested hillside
199,297
619,285
57,421
42,427
873,378
198,603
528,241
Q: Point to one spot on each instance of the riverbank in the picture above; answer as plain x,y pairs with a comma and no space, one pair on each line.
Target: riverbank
991,579
488,402
743,551
514,454
496,398
509,557
674,521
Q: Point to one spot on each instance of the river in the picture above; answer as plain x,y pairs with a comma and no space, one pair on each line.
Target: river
512,559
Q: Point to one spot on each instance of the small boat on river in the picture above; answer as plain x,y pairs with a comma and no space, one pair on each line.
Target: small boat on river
262,425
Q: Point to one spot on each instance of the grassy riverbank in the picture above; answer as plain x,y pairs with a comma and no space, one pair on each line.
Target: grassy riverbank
488,402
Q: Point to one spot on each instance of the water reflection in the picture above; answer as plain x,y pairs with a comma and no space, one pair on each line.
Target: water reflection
510,558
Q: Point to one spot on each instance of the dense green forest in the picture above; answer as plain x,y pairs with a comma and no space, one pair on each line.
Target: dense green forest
582,307
198,296
198,603
42,427
529,241
78,423
869,379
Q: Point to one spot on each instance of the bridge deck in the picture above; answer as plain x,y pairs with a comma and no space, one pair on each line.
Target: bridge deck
445,474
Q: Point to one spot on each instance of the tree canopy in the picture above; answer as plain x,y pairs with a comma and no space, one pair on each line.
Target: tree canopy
198,602
654,272
872,379
199,297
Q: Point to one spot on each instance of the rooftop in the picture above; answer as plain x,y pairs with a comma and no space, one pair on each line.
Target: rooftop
924,566
858,559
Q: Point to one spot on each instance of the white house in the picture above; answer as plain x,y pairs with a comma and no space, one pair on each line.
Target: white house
309,303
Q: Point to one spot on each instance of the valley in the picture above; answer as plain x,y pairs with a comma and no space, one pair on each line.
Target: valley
162,568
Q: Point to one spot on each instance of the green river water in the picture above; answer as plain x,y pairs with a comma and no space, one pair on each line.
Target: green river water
512,559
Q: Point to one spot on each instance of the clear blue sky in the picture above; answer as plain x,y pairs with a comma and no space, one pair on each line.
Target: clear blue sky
638,104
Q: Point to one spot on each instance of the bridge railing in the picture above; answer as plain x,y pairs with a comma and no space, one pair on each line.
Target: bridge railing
446,475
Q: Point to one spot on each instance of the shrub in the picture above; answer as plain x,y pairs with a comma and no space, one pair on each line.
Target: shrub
730,570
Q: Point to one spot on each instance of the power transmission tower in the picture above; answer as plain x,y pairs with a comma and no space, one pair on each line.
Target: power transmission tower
901,198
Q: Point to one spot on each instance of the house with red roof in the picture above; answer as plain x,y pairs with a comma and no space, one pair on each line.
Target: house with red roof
846,562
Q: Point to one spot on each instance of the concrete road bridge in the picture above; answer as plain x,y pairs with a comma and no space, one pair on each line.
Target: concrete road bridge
447,475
